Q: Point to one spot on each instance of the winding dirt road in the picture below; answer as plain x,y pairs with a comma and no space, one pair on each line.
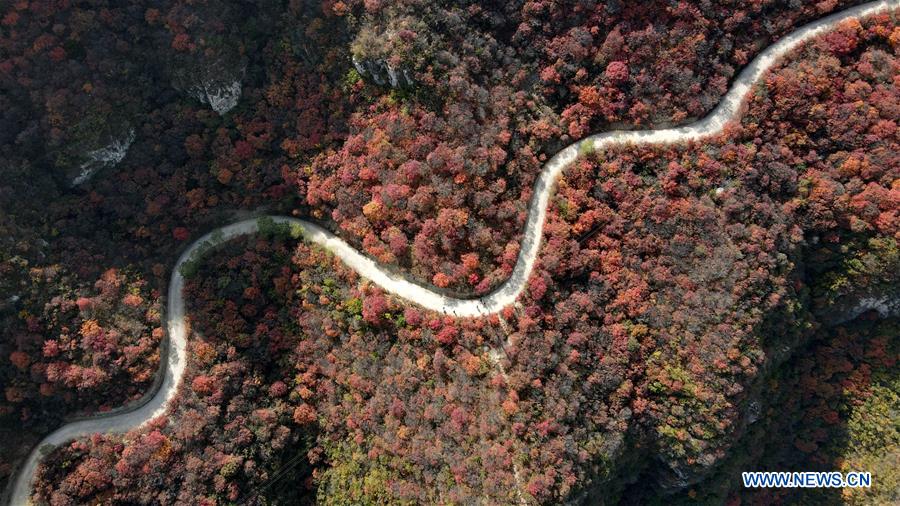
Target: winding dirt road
174,365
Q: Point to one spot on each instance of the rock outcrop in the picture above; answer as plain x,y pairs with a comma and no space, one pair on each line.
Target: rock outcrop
107,156
382,73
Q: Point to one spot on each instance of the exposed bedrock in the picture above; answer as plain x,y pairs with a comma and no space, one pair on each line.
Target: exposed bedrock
382,73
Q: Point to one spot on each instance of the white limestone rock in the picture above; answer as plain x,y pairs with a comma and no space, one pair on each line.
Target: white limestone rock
383,73
107,156
222,97
884,305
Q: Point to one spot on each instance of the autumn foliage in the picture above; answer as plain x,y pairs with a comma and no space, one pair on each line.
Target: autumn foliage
670,282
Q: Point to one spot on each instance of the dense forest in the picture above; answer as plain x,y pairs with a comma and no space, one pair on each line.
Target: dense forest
688,302
832,407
